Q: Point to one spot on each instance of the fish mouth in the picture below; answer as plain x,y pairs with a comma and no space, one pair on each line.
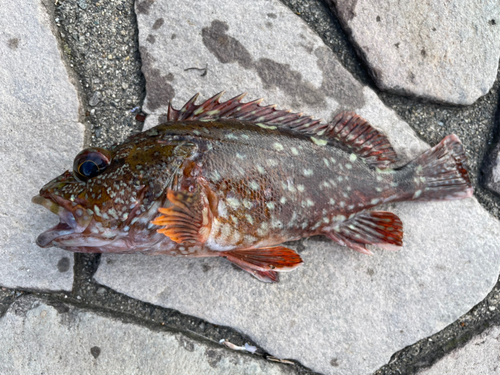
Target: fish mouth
69,223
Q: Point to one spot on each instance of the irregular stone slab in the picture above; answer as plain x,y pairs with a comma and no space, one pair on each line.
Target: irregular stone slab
479,356
493,170
341,312
437,50
39,337
40,136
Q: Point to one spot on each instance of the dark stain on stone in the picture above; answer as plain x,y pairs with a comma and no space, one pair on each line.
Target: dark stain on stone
370,271
143,6
492,22
170,77
206,268
346,9
272,15
173,36
269,25
160,92
434,29
378,18
308,47
397,45
158,23
423,52
336,83
162,119
274,74
226,48
343,87
63,264
236,267
13,43
213,357
334,362
411,77
151,39
185,343
95,351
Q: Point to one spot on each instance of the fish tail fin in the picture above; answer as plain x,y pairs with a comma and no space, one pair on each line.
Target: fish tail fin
440,173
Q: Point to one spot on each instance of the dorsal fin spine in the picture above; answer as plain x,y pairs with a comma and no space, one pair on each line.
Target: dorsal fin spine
347,128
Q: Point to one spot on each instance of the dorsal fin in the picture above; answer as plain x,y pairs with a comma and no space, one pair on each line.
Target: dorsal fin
347,128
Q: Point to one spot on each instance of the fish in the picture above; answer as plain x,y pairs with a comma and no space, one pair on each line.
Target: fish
237,179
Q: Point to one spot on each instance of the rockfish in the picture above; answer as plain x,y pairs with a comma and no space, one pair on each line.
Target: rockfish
236,180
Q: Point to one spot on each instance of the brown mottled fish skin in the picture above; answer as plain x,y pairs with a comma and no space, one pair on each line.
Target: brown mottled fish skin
238,179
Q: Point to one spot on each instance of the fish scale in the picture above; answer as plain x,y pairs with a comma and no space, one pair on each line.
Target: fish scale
236,180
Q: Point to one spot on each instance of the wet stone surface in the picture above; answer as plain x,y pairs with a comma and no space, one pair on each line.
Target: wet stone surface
99,40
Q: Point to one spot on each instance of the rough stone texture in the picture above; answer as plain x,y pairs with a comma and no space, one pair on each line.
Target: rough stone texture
443,51
493,170
40,136
341,312
480,356
53,338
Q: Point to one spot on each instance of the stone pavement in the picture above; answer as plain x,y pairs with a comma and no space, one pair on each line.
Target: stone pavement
341,312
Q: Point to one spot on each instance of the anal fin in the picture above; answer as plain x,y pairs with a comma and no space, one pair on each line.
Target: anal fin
379,228
188,220
264,263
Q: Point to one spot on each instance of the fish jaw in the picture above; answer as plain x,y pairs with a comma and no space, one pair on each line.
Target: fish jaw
73,219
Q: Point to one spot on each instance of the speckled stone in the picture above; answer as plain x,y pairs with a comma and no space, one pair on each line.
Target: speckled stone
481,355
341,312
40,136
443,51
53,338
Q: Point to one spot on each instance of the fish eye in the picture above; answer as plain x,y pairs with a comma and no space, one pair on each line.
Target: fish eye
90,163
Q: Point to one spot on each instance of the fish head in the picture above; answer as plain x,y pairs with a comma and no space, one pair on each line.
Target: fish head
106,203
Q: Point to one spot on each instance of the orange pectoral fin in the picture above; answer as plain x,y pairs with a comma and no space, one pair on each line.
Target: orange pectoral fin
263,263
188,220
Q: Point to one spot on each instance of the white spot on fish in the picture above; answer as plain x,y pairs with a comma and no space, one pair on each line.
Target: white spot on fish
272,162
294,150
353,157
283,200
332,201
233,202
307,172
240,156
319,142
348,166
254,185
327,163
263,126
278,146
342,204
270,205
417,194
221,208
247,204
249,219
260,169
300,188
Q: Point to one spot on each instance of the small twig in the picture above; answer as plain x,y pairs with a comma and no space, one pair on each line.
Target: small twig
204,70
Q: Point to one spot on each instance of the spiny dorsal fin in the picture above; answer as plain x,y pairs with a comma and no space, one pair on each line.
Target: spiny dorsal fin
347,128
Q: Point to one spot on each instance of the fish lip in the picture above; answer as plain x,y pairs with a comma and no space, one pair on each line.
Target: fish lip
67,225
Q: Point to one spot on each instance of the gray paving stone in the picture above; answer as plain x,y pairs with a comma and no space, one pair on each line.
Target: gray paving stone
341,312
480,356
40,136
441,51
42,338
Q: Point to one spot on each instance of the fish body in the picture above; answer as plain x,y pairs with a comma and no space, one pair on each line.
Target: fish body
238,179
